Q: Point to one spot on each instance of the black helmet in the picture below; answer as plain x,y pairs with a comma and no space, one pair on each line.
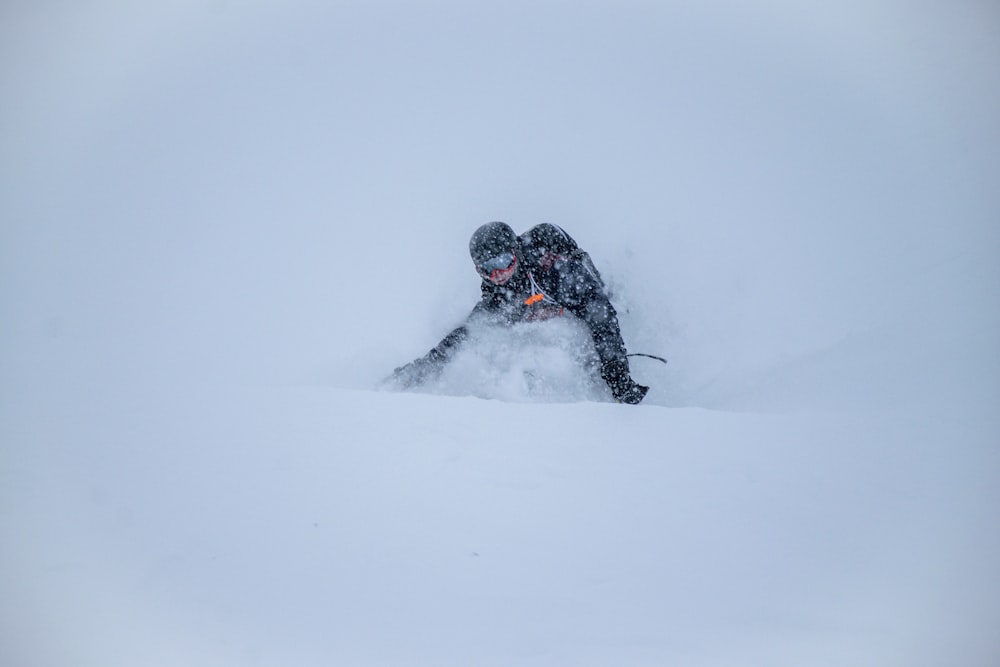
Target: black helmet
495,249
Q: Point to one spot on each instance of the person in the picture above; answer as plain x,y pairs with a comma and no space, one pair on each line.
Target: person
542,273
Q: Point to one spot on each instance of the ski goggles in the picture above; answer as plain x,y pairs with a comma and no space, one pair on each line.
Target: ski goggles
498,269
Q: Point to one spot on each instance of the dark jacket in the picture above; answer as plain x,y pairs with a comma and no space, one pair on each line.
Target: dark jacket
555,277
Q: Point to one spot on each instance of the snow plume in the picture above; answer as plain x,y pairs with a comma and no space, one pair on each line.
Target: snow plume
547,361
223,224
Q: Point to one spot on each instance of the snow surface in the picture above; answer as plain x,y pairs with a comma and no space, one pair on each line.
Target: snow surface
223,224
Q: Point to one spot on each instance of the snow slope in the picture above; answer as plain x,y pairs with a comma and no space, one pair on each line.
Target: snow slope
221,227
326,526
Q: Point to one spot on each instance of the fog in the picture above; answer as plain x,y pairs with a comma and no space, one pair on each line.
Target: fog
269,190
796,205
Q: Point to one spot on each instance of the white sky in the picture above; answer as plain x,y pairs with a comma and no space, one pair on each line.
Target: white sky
243,185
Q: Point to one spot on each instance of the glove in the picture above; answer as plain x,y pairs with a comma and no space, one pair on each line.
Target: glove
414,373
429,367
623,387
632,394
407,376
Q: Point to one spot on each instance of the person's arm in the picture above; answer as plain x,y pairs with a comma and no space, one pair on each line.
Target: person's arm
429,366
583,295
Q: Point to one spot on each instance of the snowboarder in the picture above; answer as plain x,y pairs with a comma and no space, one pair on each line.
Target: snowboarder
537,275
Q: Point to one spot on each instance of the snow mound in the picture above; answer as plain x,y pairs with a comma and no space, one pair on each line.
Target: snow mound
551,361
